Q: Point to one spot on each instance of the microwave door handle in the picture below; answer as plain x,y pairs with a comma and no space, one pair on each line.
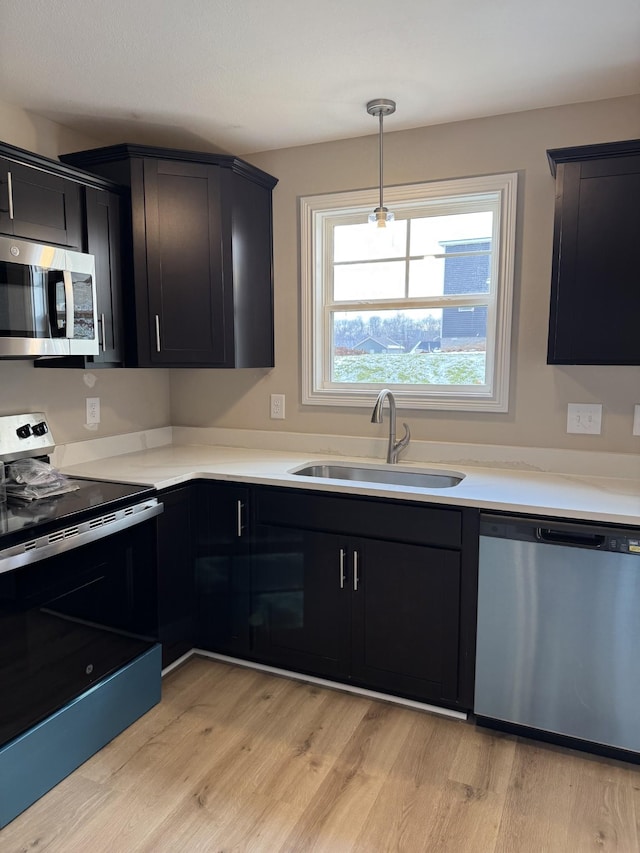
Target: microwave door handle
10,193
54,316
68,297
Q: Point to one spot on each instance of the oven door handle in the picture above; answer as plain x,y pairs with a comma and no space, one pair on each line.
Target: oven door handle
68,538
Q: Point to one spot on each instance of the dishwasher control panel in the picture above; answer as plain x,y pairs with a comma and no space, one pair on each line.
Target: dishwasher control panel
553,532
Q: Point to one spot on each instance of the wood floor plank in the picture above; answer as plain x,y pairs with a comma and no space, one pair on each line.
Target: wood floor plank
602,817
403,812
537,807
310,746
343,802
484,760
234,759
46,825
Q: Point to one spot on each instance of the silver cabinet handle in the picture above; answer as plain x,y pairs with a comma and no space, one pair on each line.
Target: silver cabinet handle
10,193
157,333
239,527
342,574
103,334
356,578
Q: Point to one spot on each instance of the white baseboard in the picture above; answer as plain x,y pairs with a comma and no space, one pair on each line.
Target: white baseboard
322,682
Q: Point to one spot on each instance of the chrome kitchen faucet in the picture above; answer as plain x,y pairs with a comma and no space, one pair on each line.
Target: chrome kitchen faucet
394,447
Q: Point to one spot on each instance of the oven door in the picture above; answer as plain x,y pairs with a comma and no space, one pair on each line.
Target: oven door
70,620
47,301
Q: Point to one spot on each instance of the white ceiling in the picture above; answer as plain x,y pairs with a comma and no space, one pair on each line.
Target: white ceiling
250,75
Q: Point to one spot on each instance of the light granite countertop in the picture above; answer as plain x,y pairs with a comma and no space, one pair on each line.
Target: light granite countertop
614,500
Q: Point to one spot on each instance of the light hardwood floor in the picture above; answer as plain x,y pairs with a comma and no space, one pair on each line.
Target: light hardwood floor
237,760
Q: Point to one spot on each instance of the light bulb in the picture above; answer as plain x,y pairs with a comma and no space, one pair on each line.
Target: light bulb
381,216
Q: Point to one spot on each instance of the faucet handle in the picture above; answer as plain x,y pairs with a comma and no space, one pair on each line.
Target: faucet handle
406,438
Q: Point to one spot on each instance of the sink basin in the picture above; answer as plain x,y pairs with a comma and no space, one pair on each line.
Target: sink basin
389,474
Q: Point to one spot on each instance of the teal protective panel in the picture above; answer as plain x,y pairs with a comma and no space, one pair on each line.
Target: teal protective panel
37,760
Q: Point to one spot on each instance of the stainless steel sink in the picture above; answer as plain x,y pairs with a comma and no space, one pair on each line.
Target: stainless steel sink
423,478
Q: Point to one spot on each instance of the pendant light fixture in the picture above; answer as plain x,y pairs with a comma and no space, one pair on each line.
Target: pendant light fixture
381,107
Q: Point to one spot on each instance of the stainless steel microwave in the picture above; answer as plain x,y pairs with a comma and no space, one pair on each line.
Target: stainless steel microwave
47,301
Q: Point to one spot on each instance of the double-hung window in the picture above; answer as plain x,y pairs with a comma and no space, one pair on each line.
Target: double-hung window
422,307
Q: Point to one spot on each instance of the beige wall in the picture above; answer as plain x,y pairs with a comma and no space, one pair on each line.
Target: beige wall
130,399
539,392
140,399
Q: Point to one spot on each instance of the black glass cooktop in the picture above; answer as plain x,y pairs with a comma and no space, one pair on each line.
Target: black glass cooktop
24,520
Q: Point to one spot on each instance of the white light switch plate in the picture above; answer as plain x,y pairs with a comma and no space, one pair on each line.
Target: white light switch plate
636,420
584,418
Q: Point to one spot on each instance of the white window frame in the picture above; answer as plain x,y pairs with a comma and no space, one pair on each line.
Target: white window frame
318,215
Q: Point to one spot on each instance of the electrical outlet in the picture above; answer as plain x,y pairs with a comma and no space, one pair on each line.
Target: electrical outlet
93,410
584,418
636,420
277,406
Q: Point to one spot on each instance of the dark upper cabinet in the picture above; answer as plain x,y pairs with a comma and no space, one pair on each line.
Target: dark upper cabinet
36,204
51,202
595,292
199,286
102,239
185,321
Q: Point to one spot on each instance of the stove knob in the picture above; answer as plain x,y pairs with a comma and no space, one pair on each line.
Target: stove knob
24,431
41,428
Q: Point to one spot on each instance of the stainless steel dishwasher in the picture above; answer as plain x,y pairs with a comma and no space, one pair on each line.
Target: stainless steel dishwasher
558,648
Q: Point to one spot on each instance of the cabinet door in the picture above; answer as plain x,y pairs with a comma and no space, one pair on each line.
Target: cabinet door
300,600
39,206
251,266
406,605
103,241
222,568
186,300
595,299
175,574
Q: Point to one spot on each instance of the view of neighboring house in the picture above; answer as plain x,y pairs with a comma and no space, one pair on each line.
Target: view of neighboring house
378,345
467,271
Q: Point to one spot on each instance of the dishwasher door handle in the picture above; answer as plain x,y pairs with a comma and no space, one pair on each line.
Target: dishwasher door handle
565,537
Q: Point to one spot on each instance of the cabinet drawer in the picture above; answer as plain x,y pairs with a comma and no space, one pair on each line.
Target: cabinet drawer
418,524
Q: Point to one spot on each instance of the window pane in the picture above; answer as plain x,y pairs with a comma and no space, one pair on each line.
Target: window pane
413,347
383,280
430,234
463,268
365,242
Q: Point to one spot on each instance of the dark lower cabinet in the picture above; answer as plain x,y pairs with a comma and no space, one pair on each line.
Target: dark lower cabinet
176,598
405,602
369,609
299,604
375,593
222,575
